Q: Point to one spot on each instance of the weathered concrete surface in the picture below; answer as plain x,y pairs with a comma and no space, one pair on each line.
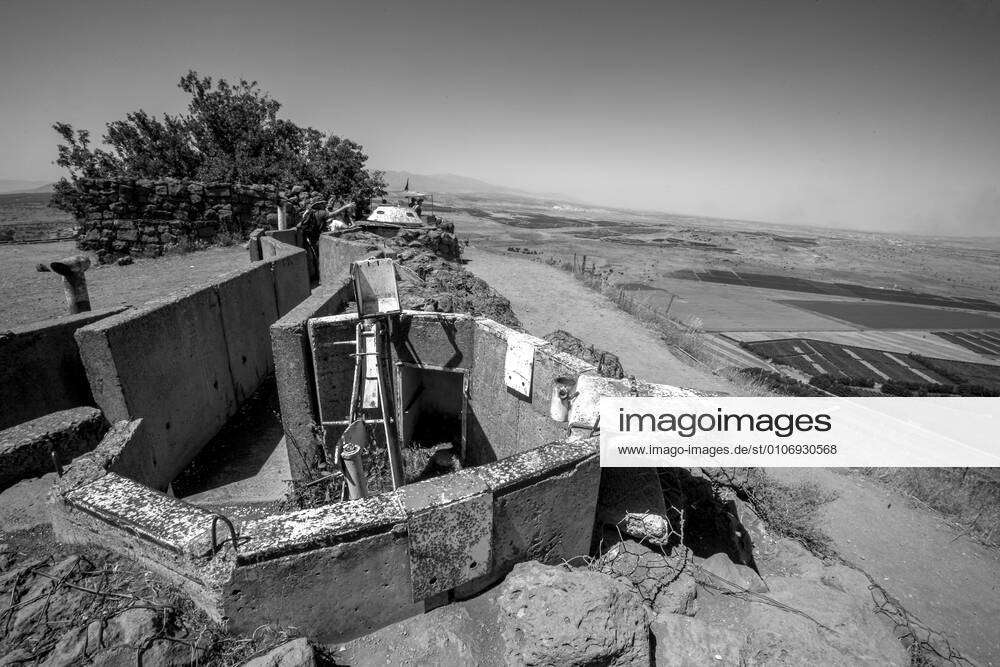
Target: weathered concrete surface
550,521
26,449
290,269
168,536
248,307
450,524
294,375
330,594
435,340
167,363
337,253
186,362
40,368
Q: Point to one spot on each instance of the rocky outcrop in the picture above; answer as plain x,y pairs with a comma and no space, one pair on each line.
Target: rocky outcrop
607,363
439,283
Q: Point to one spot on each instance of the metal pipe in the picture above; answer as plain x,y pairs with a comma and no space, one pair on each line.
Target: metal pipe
74,281
354,471
395,455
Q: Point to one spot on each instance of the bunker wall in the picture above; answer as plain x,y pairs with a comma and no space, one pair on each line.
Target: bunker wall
40,368
185,363
337,253
295,376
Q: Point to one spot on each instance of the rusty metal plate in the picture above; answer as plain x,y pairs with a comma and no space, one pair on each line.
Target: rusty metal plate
450,544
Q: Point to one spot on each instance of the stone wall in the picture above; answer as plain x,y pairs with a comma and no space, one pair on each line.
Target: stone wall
143,217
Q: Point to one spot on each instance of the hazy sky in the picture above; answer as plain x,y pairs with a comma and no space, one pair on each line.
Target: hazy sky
872,114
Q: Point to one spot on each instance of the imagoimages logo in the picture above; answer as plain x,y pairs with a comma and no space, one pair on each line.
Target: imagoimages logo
799,432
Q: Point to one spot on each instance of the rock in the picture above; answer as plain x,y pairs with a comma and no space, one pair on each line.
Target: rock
683,641
856,636
296,653
664,581
457,634
631,499
724,572
649,528
125,261
607,363
553,616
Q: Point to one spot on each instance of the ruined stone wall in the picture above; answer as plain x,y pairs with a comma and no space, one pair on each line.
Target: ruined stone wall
143,217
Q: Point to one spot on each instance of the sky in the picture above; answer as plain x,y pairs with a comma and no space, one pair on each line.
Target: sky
873,114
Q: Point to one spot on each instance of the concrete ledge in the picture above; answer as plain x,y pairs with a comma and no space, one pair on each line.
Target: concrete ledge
168,536
41,370
26,449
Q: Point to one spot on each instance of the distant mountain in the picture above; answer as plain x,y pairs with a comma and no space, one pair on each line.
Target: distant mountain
455,184
20,187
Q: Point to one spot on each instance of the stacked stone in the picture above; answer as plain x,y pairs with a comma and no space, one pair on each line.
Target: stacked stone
146,217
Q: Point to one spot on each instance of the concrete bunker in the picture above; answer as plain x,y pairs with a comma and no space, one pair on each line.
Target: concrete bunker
524,485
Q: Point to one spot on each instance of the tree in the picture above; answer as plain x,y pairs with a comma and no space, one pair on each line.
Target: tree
231,132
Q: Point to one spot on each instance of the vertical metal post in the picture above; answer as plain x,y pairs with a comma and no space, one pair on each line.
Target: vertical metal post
395,455
282,216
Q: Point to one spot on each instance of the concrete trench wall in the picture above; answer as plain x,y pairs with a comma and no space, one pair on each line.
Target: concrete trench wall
341,570
185,363
40,368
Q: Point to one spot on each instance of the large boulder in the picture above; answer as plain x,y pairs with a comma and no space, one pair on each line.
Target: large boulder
555,616
720,572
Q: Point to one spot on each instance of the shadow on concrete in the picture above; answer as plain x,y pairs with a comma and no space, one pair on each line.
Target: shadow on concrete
246,461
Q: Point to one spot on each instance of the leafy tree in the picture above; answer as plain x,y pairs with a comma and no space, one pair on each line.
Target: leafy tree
231,132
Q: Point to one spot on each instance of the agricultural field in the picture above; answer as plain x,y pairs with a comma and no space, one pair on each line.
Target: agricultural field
981,342
822,358
872,315
28,217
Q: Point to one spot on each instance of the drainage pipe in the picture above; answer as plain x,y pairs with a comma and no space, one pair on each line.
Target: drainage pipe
354,471
74,281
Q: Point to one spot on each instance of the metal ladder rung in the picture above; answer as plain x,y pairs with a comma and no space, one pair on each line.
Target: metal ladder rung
347,422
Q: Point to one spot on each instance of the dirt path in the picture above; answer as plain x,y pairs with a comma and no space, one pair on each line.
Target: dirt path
950,582
546,299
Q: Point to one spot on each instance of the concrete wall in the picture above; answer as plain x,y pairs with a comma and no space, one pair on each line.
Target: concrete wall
341,570
499,421
41,370
185,363
32,448
502,422
337,253
295,378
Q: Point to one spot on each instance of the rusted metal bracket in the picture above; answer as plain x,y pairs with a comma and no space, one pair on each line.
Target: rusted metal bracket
234,537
